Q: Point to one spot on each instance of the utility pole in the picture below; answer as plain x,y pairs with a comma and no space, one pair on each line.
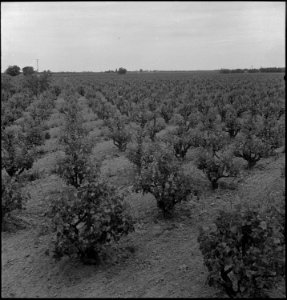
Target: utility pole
37,65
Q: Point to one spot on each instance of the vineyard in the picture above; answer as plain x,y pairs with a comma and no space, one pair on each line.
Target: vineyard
152,184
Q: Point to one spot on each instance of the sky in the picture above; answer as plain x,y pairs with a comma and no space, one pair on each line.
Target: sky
99,36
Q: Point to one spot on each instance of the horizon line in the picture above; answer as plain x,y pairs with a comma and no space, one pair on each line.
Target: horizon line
157,70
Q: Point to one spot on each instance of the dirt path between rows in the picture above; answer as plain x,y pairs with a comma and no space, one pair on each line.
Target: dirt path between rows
166,263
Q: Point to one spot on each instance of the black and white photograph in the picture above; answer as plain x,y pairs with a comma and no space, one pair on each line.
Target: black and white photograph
143,149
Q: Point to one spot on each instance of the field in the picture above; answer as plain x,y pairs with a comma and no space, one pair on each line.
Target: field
161,257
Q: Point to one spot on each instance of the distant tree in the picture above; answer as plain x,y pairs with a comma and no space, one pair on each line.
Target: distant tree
122,71
28,71
13,70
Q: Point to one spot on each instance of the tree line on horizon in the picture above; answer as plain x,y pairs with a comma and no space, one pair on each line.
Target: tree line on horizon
261,70
29,70
16,70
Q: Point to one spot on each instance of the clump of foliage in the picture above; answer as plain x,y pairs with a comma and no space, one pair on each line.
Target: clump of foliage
119,132
104,109
88,219
56,89
216,167
124,106
154,126
271,132
185,135
34,136
166,110
141,115
81,90
163,177
138,152
41,108
282,171
12,197
8,88
47,135
75,165
250,149
216,160
33,120
252,144
181,140
17,153
88,214
14,107
213,141
232,123
37,83
245,253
